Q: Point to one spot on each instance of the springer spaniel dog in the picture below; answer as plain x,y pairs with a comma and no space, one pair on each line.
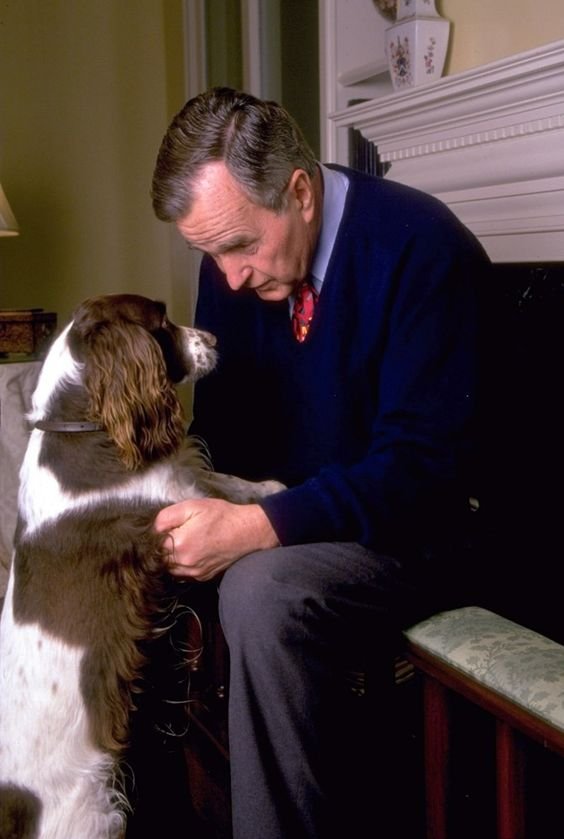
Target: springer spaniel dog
88,583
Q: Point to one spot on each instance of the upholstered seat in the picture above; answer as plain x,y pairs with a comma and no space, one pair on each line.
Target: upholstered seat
516,662
514,674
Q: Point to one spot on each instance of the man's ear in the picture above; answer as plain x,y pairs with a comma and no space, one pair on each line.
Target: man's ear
301,190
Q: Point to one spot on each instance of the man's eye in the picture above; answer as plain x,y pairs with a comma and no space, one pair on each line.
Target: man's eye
248,250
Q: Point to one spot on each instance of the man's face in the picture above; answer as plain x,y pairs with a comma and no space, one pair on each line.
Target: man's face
254,247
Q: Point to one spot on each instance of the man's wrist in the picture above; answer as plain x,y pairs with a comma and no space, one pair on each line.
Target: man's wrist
261,530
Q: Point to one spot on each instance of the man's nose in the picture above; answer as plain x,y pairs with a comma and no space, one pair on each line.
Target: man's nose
236,271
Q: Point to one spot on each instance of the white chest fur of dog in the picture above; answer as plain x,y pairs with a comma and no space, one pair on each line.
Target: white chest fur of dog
87,583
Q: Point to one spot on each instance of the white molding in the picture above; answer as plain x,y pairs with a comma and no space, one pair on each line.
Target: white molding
361,74
489,142
328,76
352,65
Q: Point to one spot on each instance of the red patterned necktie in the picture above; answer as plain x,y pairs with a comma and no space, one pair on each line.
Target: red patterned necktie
304,305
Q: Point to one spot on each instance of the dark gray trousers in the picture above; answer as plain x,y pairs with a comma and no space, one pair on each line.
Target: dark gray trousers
295,619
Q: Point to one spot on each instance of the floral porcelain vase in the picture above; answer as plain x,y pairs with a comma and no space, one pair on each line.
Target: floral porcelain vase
416,44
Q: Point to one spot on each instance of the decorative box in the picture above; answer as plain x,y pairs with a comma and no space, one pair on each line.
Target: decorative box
26,331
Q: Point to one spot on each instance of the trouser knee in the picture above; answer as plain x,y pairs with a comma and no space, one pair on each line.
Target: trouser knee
258,599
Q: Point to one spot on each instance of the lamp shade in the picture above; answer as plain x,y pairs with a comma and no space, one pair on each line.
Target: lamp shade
8,223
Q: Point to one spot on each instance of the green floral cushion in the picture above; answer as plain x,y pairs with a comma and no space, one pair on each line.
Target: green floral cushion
524,666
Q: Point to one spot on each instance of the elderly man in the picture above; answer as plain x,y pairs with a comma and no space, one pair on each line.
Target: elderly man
344,307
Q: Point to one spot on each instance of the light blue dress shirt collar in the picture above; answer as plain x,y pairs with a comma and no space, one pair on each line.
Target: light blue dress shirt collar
335,186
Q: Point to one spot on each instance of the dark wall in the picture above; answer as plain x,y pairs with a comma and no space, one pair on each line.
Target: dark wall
520,476
300,65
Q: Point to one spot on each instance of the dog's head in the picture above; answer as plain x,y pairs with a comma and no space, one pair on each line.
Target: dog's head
132,357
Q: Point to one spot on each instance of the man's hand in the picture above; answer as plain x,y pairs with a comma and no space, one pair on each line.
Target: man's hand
207,535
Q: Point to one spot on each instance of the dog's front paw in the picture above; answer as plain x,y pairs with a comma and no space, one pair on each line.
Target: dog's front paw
270,487
238,490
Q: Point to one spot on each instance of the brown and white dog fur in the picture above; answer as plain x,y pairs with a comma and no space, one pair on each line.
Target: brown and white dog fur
88,578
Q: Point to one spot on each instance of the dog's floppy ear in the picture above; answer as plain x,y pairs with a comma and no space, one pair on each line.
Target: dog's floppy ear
129,391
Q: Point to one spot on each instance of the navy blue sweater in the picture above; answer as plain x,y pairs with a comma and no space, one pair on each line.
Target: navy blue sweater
370,421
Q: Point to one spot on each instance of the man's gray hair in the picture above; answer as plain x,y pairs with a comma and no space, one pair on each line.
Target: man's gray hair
259,142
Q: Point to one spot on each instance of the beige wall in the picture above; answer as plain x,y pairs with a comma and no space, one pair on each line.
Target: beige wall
87,88
485,30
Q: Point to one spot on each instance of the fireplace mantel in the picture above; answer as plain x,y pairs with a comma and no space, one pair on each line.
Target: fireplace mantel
489,142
